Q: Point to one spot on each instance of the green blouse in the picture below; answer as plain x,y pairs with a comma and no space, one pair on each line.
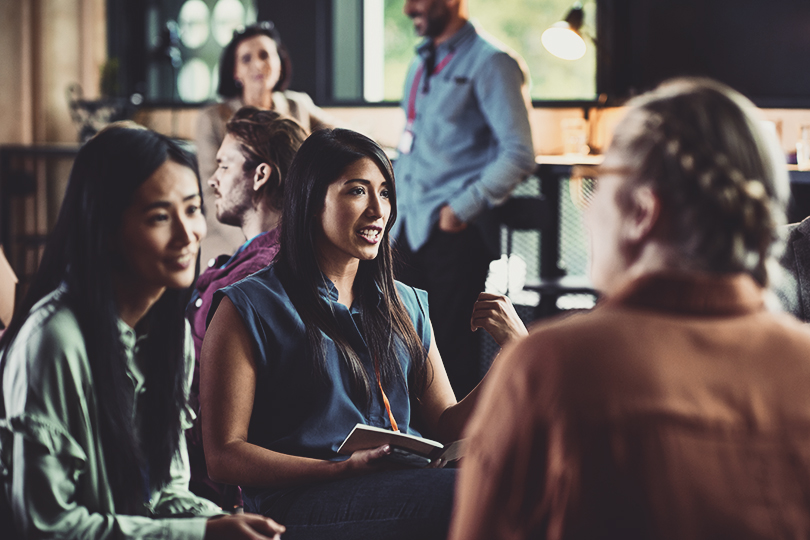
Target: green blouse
51,458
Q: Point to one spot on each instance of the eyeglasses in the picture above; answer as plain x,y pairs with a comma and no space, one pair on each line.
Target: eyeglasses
595,171
583,180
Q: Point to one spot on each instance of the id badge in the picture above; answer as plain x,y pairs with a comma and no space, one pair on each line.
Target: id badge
406,141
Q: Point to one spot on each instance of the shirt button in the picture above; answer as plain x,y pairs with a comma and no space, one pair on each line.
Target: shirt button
198,303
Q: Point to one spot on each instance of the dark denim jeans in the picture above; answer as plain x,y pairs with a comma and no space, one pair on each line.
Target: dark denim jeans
452,268
405,504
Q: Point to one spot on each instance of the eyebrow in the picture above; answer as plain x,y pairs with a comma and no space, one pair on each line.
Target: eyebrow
362,181
167,204
224,157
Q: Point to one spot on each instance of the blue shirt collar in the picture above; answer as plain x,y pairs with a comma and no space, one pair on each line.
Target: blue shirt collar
327,289
329,292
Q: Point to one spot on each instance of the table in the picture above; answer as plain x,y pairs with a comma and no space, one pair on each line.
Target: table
552,281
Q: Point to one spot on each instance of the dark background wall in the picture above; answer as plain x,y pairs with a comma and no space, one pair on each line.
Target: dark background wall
305,27
759,47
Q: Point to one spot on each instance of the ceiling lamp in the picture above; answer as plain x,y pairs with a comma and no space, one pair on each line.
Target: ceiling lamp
563,38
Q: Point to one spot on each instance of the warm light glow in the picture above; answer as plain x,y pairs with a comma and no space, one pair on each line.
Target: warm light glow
373,50
563,42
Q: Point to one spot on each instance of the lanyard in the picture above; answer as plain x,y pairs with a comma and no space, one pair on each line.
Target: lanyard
415,86
394,426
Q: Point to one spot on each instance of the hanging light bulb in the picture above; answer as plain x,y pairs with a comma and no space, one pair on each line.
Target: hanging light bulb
563,39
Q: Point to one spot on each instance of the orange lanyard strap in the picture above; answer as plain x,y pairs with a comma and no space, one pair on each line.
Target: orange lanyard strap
384,397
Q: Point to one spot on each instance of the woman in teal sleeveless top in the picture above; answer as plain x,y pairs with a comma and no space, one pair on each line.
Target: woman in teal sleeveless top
323,339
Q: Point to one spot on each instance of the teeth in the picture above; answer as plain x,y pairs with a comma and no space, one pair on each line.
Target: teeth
371,234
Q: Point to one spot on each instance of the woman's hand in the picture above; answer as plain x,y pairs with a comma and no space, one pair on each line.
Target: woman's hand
242,526
496,314
370,460
437,464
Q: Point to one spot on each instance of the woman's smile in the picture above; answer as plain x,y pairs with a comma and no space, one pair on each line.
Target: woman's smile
371,234
162,229
183,261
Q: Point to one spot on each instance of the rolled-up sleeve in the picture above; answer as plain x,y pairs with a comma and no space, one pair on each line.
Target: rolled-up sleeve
500,91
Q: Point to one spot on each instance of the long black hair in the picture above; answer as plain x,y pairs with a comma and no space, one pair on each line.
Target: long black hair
227,61
320,161
107,171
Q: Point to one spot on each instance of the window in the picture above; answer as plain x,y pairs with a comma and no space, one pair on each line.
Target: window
517,24
184,39
344,52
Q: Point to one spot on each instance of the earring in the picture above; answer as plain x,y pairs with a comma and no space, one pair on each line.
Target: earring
237,82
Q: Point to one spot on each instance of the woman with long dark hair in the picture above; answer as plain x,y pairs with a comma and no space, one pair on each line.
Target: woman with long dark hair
323,339
96,362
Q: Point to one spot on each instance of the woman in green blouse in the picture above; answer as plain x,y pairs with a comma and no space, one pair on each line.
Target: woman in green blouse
95,365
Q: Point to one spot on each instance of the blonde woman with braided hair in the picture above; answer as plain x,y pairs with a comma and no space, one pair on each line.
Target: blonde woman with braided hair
678,408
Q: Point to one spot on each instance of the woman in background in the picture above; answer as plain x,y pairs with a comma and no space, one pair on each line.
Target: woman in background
96,363
255,70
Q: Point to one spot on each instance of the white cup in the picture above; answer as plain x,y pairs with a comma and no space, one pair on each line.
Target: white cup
575,136
803,150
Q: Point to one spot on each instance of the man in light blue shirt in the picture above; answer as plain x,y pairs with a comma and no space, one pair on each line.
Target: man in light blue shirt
467,143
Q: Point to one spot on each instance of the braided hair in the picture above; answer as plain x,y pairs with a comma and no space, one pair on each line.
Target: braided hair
697,145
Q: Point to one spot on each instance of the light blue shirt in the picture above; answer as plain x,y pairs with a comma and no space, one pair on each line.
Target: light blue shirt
472,143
